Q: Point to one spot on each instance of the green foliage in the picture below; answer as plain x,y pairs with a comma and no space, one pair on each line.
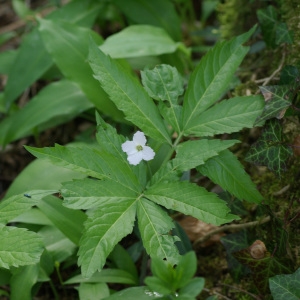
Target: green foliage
285,286
270,149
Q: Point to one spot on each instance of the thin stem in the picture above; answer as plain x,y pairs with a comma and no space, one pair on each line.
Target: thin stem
230,227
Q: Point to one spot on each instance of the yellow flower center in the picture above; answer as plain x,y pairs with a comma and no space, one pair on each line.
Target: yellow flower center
139,148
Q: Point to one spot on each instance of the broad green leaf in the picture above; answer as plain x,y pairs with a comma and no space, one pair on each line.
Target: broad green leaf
138,40
68,221
157,13
91,291
192,200
18,204
58,246
7,59
263,268
158,286
55,104
191,154
289,75
155,226
269,150
228,116
22,281
268,19
31,62
127,93
165,83
19,247
140,292
285,287
212,76
193,288
89,161
104,228
39,175
278,98
90,193
68,46
226,171
105,275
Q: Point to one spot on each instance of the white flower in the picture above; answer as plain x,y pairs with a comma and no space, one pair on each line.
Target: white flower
136,149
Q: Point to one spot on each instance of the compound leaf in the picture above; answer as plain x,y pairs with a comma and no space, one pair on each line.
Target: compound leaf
227,116
226,171
269,149
19,247
155,226
192,200
105,227
212,76
127,93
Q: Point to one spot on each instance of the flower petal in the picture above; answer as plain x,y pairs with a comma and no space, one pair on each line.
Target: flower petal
135,158
129,147
148,153
139,138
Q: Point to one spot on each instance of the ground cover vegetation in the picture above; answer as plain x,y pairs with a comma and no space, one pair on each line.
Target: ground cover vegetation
167,141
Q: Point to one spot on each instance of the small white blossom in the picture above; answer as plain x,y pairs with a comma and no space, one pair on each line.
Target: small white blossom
137,149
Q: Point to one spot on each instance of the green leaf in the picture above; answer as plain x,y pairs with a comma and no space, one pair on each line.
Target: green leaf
278,98
158,286
129,96
90,193
227,116
155,226
283,35
199,203
262,268
285,287
193,288
268,19
104,228
191,154
212,76
91,162
7,59
226,171
68,221
93,291
140,292
22,281
31,62
68,46
138,40
157,13
185,270
18,204
165,83
105,275
55,104
269,149
19,247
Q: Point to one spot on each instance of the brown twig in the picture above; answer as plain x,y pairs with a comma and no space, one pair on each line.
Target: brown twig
230,227
241,290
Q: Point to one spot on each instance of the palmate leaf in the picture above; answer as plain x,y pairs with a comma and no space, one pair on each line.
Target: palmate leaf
278,99
165,83
19,247
226,171
191,154
285,287
227,116
128,95
269,149
90,193
192,200
105,227
155,226
89,161
212,76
